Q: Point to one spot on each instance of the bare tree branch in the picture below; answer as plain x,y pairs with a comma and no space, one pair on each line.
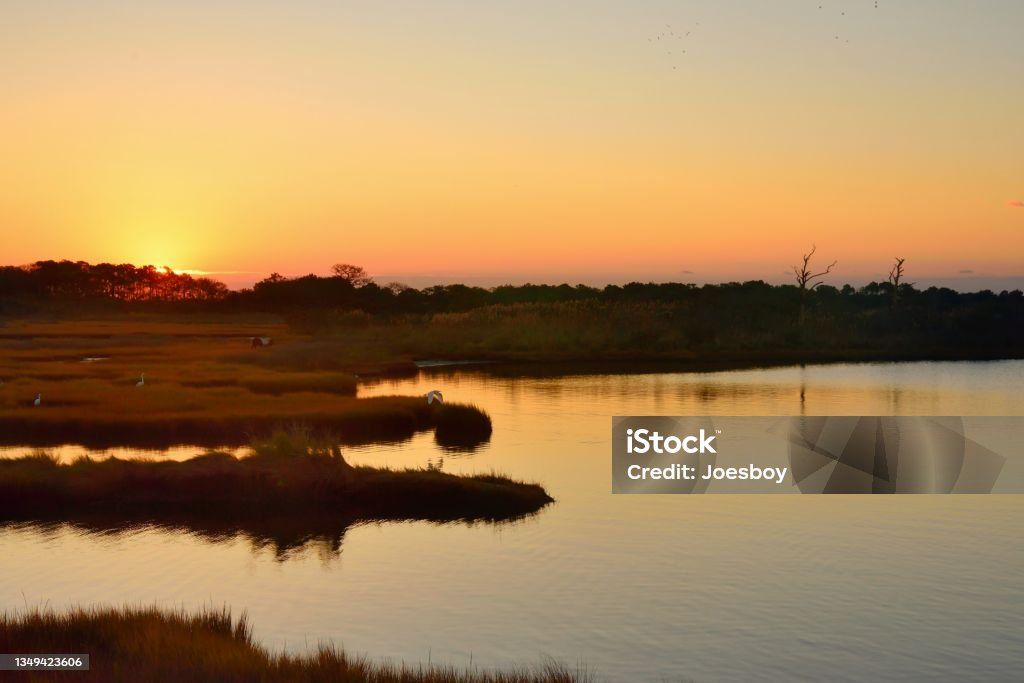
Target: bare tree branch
896,274
806,276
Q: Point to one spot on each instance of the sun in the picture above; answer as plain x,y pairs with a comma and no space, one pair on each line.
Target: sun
161,254
158,263
165,259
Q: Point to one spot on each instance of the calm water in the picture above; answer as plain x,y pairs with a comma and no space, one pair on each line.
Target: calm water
634,587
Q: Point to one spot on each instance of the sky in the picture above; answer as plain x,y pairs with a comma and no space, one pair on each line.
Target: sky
517,141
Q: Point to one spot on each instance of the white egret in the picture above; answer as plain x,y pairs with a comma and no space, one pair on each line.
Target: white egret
434,395
39,399
142,381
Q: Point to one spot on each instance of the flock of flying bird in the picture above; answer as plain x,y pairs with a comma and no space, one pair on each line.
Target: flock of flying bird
673,42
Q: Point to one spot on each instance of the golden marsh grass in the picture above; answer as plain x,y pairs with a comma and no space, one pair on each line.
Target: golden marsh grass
203,384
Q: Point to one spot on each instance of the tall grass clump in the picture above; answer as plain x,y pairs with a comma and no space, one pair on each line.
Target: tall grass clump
459,427
132,644
297,441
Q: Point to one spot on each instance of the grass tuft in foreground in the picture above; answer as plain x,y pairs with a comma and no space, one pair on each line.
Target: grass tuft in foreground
149,644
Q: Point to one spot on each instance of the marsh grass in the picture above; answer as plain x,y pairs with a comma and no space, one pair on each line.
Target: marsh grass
287,473
364,353
203,386
732,327
297,440
160,419
460,427
565,331
278,383
157,645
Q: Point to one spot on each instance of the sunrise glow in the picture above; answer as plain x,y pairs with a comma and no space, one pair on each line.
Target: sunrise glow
454,140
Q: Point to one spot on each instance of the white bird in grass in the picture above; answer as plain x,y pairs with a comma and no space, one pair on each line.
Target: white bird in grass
142,381
434,395
39,399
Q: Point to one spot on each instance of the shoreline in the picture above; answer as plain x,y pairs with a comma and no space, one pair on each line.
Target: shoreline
550,367
286,475
386,419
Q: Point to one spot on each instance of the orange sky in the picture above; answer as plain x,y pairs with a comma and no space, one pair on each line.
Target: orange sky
465,139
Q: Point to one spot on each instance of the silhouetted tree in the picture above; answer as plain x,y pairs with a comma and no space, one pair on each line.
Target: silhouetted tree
896,280
77,280
354,275
808,280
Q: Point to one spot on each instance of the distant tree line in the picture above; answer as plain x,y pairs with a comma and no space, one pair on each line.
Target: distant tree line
79,281
807,313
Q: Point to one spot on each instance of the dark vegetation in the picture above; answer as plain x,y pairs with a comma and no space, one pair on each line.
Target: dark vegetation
289,474
134,644
204,385
78,281
458,427
749,321
352,421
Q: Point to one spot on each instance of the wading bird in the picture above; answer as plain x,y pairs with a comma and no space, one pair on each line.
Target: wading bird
434,395
39,399
142,380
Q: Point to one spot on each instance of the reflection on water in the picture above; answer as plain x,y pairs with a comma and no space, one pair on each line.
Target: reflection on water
71,452
637,587
287,537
